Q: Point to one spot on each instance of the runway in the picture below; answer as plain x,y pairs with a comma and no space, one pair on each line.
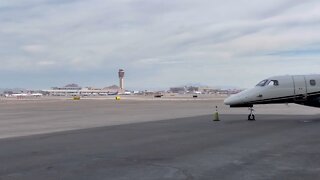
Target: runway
273,147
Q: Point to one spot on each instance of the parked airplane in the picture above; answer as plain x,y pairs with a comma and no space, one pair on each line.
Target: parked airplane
24,95
197,92
19,95
113,93
36,94
299,89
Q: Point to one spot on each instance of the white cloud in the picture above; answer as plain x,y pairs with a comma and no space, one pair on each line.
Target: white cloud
34,48
202,40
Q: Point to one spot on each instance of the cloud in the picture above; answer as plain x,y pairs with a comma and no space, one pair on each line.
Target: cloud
34,48
159,42
46,63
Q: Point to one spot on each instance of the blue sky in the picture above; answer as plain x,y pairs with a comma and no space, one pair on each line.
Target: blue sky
159,43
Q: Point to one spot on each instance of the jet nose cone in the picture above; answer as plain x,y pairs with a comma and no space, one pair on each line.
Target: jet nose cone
228,101
233,100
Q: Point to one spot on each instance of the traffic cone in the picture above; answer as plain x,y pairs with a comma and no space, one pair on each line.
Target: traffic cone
216,115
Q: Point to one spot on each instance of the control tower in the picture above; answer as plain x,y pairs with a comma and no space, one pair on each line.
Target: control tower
121,79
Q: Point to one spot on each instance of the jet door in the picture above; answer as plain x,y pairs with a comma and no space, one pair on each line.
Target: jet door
300,87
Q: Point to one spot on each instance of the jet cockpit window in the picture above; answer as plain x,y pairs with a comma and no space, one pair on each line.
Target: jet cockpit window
262,83
273,83
312,82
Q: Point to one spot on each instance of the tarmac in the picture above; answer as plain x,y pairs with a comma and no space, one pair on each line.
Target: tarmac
176,139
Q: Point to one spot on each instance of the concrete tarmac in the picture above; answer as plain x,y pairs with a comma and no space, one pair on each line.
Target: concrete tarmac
273,147
29,117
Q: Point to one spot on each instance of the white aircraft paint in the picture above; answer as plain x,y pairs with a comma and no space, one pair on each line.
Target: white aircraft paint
300,89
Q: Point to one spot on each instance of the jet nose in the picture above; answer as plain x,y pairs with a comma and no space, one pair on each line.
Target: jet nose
233,100
228,101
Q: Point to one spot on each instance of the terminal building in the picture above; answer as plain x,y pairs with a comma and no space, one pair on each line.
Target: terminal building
76,90
79,91
75,87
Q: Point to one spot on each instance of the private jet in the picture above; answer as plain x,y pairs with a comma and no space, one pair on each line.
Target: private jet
299,89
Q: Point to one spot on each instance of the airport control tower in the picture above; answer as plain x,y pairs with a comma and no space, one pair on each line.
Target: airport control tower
121,78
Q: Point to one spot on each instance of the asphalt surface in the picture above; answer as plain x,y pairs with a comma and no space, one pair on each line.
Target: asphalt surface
273,147
30,117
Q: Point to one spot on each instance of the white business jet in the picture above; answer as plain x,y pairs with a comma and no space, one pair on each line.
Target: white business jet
299,89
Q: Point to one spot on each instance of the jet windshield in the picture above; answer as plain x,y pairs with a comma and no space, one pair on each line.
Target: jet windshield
262,83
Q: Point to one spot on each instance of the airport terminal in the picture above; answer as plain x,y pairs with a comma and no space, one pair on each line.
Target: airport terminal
73,89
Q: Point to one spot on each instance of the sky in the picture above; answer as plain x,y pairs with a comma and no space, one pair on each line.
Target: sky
159,44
